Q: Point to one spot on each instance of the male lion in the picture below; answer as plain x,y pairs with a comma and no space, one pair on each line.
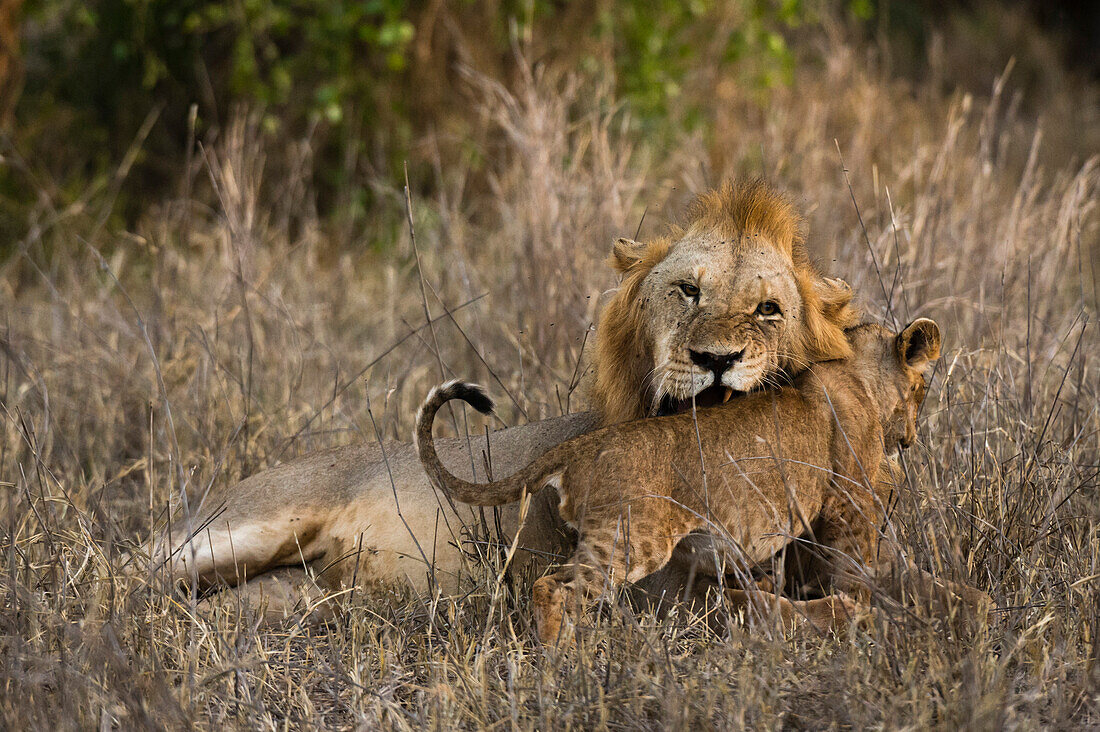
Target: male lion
633,491
727,301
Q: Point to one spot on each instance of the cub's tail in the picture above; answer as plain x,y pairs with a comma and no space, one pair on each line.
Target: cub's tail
496,493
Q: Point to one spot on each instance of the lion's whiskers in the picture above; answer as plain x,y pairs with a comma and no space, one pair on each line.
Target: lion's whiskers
660,372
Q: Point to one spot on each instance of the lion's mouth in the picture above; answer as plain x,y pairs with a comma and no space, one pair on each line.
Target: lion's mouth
711,396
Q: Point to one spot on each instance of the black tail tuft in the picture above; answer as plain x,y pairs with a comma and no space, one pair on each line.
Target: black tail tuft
472,394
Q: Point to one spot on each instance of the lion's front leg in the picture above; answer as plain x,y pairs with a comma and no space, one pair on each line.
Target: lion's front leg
944,597
858,559
833,613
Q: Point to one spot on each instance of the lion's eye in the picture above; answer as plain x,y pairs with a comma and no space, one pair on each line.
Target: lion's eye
768,308
689,290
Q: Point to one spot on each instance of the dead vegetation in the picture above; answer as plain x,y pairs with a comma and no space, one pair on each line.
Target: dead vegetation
211,340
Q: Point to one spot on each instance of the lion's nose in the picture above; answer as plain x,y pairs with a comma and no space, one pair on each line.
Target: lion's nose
716,362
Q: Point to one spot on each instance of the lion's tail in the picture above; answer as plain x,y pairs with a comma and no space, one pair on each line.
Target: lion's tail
506,490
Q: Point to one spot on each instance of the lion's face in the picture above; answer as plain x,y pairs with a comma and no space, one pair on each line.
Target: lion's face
717,317
721,305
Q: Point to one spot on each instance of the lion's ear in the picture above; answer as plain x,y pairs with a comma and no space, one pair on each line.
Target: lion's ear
822,335
604,298
835,296
919,343
625,253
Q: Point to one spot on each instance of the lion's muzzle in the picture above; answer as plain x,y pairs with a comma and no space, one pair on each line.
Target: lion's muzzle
731,369
716,363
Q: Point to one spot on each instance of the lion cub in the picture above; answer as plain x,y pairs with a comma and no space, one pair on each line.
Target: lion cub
758,471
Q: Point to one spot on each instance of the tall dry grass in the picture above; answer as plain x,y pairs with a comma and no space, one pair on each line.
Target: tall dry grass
228,332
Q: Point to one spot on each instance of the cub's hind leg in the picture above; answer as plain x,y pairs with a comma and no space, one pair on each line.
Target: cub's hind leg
601,559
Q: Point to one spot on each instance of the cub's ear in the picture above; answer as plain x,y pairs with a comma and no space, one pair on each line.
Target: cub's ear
625,253
919,343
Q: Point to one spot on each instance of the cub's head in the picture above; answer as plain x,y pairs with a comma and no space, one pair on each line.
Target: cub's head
896,367
722,304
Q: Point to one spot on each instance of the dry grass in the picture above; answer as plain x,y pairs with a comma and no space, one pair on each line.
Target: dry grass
214,340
